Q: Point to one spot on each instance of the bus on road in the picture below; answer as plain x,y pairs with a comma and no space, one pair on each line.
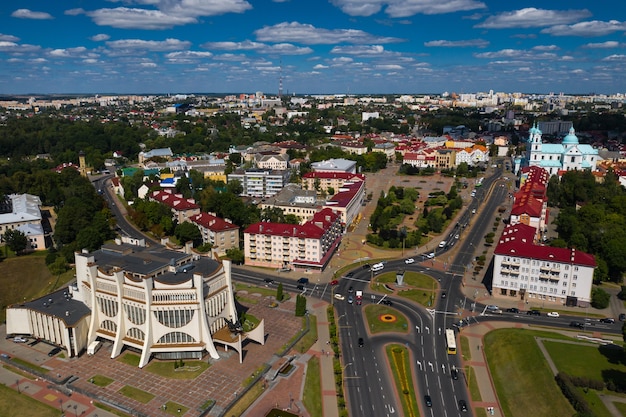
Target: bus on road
451,342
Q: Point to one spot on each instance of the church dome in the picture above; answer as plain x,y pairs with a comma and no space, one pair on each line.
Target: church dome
571,138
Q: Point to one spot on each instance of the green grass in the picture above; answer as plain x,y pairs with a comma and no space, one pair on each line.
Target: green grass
465,349
130,359
595,403
111,410
420,296
14,404
313,388
136,394
373,313
473,384
100,380
253,289
249,380
621,407
27,277
591,361
418,287
18,371
172,408
310,337
191,370
398,357
30,365
522,378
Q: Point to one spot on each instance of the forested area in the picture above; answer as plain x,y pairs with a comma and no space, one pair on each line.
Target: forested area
592,218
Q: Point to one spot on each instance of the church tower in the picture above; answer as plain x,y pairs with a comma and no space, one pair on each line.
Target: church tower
534,142
82,164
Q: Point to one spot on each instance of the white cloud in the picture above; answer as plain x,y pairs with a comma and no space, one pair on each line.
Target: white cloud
341,61
388,67
183,57
604,45
531,17
230,57
100,37
363,50
615,57
8,38
590,28
320,66
148,65
29,14
310,35
404,8
263,48
546,48
516,54
478,43
135,44
68,52
13,47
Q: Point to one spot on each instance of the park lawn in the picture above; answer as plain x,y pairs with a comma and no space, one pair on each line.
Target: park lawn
473,384
310,337
191,370
373,313
595,403
130,359
590,361
621,407
101,380
522,377
136,394
175,409
411,279
313,388
420,296
465,349
253,289
14,404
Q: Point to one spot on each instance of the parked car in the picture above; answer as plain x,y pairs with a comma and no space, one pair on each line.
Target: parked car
609,320
5,356
492,307
340,297
303,280
512,310
553,314
54,351
428,401
19,339
334,282
409,261
533,313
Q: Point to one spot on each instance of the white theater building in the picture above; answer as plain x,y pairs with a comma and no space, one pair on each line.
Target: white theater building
160,302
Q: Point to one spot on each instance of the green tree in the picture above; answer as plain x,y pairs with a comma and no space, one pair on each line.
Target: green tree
15,240
300,305
279,292
236,255
600,298
187,231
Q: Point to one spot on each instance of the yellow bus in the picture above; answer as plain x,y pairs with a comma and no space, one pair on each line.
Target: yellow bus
451,341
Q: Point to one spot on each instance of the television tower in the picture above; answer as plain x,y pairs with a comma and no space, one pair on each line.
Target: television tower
280,81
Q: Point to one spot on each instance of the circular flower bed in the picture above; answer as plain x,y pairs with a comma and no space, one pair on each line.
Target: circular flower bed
387,318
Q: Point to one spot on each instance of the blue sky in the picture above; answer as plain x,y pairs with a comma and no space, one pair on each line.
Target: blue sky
319,46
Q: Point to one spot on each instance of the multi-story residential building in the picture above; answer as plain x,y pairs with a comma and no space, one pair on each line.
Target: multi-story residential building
388,148
260,182
530,271
445,158
474,155
555,157
294,200
422,159
308,246
22,212
182,208
323,181
220,233
555,127
164,304
348,201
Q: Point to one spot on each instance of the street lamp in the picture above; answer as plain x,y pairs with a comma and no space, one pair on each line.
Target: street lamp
17,382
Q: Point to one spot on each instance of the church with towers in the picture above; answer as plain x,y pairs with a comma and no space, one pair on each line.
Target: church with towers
555,157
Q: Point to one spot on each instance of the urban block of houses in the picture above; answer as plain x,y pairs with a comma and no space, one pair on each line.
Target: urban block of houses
292,199
163,303
525,268
182,208
348,201
22,212
165,153
273,161
308,246
222,234
335,165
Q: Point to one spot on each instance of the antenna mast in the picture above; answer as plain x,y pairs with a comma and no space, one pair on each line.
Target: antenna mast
280,80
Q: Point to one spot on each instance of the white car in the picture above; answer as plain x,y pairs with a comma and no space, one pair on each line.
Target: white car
442,243
340,297
553,314
430,255
409,261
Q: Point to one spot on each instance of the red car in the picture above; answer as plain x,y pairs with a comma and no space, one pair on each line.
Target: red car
334,282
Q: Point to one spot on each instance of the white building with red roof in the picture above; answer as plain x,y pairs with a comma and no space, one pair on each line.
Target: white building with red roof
322,181
421,159
531,271
307,246
220,233
182,208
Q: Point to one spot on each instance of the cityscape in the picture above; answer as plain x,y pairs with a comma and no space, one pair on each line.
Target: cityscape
191,233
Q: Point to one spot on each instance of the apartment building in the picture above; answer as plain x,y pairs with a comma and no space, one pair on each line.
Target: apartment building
292,199
182,208
308,246
220,233
22,212
260,182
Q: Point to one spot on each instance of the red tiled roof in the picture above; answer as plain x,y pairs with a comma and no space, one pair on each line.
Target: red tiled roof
517,240
211,222
313,229
174,201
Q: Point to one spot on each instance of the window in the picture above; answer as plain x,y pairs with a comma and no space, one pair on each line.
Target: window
575,277
563,292
574,285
